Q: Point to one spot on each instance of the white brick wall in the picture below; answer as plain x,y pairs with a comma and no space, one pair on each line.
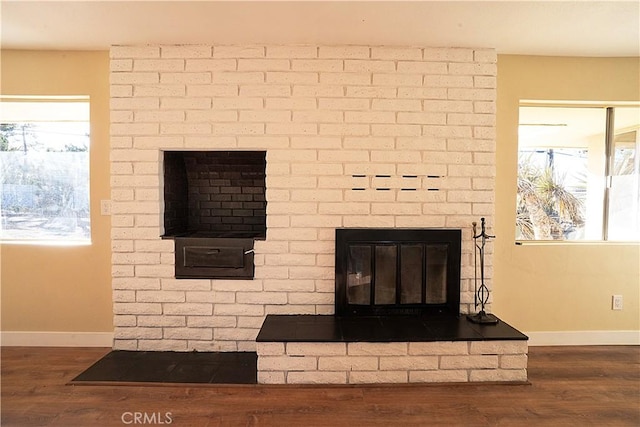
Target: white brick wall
398,362
323,114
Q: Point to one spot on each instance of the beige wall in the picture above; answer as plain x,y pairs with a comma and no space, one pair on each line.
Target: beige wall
559,287
42,292
54,288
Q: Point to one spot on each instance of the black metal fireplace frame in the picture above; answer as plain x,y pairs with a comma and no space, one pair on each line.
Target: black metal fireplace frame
345,237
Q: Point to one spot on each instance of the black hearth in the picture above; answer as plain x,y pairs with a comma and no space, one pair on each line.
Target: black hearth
392,271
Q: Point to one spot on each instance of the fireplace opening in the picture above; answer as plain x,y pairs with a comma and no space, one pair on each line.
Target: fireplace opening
214,209
384,271
215,194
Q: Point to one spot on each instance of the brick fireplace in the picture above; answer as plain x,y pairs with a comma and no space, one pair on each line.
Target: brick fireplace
355,136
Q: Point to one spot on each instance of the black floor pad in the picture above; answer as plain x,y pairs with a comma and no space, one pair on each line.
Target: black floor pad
172,367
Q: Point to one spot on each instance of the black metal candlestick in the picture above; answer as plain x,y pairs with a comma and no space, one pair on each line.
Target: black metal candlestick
481,296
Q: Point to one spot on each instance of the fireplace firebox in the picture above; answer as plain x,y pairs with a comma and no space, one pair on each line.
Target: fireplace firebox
394,271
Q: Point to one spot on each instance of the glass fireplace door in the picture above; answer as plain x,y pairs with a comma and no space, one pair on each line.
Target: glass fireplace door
397,274
359,275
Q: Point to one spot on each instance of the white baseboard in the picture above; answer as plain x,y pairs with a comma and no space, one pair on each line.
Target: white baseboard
583,338
56,339
105,339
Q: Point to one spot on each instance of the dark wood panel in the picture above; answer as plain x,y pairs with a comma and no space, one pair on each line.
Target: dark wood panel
569,386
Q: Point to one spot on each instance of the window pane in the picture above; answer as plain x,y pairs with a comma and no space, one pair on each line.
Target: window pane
624,194
45,175
560,173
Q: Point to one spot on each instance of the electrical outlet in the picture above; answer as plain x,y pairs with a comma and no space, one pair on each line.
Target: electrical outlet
616,302
105,207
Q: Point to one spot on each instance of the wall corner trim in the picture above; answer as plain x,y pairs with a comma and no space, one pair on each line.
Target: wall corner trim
55,339
551,338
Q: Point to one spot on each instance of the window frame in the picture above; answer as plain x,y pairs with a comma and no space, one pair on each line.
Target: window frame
40,117
609,149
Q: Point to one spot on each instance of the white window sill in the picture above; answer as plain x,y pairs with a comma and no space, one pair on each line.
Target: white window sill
576,242
47,242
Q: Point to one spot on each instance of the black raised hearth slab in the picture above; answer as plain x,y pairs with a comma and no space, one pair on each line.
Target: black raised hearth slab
121,366
329,328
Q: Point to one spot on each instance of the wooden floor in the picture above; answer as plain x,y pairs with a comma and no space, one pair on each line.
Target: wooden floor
570,386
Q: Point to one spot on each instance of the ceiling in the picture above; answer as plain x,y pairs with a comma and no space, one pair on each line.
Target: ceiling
570,28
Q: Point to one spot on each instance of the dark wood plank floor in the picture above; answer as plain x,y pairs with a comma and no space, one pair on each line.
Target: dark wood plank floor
570,386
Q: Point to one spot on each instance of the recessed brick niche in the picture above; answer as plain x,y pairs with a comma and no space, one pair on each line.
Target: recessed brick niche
215,194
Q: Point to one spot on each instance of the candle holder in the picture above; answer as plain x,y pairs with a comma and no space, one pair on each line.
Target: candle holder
481,293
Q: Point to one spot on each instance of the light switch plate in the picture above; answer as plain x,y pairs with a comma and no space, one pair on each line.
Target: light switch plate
105,207
616,302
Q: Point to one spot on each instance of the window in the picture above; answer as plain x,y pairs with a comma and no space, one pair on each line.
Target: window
44,164
578,173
